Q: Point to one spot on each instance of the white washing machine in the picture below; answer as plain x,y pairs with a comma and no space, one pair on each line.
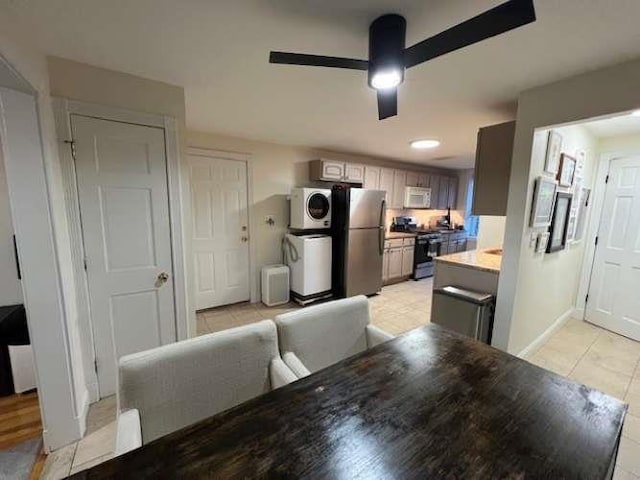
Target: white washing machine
309,261
310,208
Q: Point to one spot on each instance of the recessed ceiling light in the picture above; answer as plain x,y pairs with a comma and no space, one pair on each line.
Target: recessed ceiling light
422,144
635,113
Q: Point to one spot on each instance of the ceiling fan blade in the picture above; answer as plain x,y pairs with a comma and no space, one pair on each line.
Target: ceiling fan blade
317,60
387,103
505,17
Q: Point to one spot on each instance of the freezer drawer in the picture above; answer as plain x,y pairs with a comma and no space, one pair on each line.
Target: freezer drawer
464,311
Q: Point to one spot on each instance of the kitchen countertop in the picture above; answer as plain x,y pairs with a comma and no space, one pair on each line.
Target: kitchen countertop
477,259
392,235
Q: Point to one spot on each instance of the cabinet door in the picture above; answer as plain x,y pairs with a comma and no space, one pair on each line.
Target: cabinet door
407,261
412,179
371,178
493,169
423,179
332,170
434,185
444,248
395,262
453,193
386,184
354,173
399,181
443,193
385,265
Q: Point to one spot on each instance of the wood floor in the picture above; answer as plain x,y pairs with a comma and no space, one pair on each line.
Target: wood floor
19,419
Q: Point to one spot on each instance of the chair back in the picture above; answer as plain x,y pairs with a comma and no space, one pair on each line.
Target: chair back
324,334
179,384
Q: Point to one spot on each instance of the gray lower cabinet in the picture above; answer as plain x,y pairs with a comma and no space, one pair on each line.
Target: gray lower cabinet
397,260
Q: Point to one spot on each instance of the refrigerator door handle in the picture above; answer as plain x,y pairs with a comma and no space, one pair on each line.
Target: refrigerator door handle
383,207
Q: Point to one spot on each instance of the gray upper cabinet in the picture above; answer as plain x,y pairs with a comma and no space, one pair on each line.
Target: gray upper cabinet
413,179
492,169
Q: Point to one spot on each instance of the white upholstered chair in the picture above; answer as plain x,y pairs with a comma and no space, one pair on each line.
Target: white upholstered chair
170,387
315,337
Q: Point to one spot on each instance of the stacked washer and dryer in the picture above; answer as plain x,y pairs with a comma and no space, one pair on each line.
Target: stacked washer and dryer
307,249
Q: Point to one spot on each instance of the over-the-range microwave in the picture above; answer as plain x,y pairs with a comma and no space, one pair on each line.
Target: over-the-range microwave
417,197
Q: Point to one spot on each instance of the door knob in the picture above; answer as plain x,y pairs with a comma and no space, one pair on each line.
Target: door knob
245,239
162,279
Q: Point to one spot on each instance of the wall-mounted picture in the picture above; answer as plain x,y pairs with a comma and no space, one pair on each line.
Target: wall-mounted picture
559,223
567,170
554,147
544,194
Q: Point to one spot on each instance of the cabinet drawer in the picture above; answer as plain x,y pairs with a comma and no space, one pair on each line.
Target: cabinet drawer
408,241
393,243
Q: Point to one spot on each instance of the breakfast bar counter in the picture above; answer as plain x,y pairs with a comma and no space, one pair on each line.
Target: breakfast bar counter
486,260
427,404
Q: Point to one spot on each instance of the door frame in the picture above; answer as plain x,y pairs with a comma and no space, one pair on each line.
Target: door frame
598,191
184,313
225,155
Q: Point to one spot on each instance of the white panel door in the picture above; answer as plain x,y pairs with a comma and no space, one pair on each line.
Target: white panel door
124,206
614,294
220,235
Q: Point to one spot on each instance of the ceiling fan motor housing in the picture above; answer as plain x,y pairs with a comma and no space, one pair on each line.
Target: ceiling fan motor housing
386,45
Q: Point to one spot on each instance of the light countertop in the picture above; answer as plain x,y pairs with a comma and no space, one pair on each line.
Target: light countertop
392,235
478,259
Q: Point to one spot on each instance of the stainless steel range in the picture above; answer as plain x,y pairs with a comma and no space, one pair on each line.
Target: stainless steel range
427,247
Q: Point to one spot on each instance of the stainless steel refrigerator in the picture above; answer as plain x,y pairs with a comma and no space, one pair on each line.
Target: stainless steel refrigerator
357,220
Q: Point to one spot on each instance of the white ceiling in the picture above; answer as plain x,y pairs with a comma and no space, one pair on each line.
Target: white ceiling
218,50
611,127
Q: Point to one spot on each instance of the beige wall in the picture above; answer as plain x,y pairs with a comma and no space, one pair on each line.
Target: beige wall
490,231
79,81
275,169
625,144
533,291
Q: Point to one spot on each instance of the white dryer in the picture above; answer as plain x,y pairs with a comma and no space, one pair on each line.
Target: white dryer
309,261
310,208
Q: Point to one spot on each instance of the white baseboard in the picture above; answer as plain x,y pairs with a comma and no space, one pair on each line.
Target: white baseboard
555,326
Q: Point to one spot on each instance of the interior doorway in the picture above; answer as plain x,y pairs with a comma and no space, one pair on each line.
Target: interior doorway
613,300
219,228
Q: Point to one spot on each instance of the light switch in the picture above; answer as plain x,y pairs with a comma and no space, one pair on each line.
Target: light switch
270,220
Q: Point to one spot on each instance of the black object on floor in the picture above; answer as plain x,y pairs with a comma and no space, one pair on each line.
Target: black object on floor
13,331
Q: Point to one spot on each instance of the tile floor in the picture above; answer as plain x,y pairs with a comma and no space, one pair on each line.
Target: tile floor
588,354
399,308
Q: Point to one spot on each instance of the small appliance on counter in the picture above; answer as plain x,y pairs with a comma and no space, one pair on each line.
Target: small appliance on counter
309,260
310,209
358,230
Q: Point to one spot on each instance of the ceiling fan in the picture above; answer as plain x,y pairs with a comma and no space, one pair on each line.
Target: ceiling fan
388,57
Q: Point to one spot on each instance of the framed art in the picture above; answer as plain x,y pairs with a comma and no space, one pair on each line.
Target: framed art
554,147
559,223
544,194
567,170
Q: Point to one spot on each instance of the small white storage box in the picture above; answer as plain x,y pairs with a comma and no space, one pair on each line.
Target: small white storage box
275,285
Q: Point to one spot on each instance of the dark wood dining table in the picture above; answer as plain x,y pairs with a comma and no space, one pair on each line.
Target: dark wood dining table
429,404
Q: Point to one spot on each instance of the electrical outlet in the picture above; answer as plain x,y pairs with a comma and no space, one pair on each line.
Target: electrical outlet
270,220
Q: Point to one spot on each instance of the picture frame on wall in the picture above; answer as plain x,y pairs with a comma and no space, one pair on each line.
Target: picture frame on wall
554,150
567,170
559,222
544,194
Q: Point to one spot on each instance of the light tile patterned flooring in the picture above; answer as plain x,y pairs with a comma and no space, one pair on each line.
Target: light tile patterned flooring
397,309
588,354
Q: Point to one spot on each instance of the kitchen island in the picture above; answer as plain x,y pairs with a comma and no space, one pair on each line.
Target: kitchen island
477,270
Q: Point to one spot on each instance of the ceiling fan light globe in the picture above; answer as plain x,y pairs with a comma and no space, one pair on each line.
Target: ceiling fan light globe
386,80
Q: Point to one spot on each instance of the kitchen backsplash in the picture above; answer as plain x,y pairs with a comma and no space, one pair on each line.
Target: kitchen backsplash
424,217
